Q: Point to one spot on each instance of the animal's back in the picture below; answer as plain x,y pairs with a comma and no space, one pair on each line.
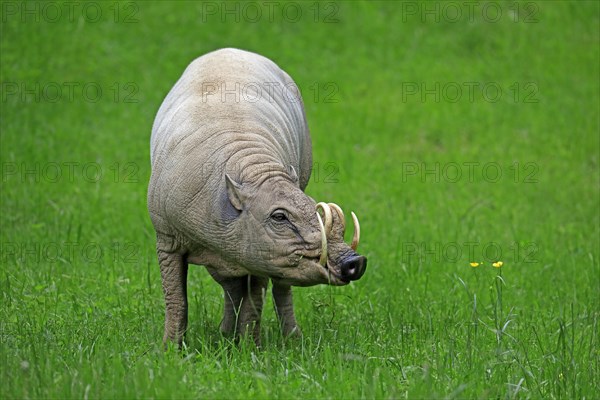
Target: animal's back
230,111
225,95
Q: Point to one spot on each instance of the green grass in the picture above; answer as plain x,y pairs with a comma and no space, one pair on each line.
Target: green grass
82,307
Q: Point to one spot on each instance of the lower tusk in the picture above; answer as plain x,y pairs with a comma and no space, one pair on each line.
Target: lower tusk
340,214
323,259
356,238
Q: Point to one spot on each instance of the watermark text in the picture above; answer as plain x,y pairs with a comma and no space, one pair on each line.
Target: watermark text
471,171
70,11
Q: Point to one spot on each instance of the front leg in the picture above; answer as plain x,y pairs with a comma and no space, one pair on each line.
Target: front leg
284,306
173,270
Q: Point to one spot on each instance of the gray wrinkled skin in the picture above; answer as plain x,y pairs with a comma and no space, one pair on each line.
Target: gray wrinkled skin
227,161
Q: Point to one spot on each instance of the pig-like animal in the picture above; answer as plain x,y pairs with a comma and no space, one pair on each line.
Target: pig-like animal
231,157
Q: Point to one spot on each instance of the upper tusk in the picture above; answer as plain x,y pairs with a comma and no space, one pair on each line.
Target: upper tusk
323,258
326,230
340,214
327,214
356,238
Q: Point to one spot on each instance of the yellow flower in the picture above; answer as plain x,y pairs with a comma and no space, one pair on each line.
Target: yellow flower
474,264
497,264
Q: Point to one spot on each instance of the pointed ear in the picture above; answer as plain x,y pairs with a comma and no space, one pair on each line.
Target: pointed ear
234,192
293,174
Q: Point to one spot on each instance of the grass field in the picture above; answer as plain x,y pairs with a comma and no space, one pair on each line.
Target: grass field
459,132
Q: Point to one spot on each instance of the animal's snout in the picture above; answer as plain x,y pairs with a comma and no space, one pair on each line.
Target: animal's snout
353,268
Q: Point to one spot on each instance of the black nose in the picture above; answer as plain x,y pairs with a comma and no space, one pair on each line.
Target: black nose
353,268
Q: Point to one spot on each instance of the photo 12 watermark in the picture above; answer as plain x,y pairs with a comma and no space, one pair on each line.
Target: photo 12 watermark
468,251
470,11
69,92
321,172
52,12
469,92
269,11
270,92
469,171
53,252
69,172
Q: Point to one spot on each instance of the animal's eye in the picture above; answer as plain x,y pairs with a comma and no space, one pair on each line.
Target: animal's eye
278,216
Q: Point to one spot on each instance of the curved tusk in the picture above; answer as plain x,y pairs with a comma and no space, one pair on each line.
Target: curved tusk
327,214
323,258
341,215
356,238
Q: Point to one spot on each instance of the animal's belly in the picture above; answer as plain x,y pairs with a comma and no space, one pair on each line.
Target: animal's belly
217,264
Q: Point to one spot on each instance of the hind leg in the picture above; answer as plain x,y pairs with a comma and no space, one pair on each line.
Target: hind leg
233,290
251,307
243,302
284,306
